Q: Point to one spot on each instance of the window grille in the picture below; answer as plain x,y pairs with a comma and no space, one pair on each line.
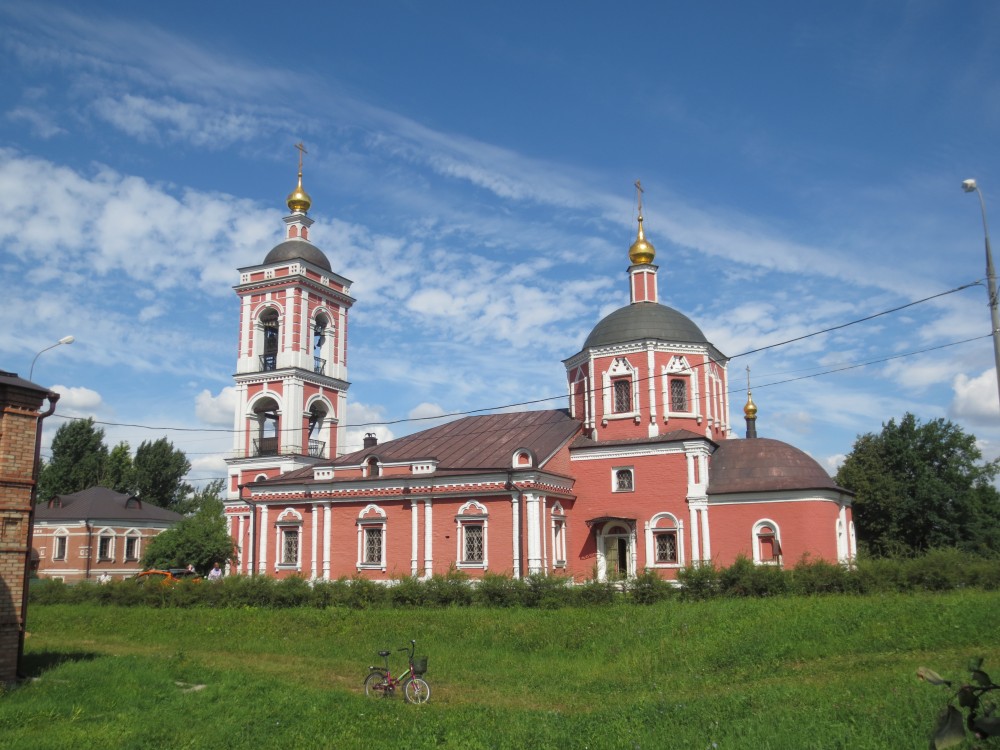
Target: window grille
666,547
290,547
623,396
373,546
474,543
623,480
678,395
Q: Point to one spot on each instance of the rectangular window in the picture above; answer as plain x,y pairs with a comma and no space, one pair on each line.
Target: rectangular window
623,395
60,550
290,546
666,547
373,546
104,548
132,548
473,543
623,480
678,395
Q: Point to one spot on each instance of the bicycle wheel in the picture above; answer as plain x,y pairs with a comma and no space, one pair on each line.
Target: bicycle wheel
377,685
416,690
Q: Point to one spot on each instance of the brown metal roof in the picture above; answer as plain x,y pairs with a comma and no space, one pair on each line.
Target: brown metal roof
102,504
763,465
483,442
465,446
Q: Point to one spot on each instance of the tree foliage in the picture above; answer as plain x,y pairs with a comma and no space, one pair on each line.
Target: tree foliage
974,698
78,458
922,486
119,472
200,539
159,473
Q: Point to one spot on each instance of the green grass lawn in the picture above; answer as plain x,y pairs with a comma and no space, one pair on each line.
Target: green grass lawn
783,673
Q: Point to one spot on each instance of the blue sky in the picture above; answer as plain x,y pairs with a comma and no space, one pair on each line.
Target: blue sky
471,169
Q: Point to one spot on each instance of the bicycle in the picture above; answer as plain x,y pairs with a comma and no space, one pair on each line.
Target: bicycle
380,682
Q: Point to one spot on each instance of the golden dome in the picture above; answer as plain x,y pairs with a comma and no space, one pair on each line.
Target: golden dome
750,410
641,252
299,200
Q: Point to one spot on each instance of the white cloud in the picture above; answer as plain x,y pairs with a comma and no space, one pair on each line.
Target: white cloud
77,401
976,398
425,410
217,410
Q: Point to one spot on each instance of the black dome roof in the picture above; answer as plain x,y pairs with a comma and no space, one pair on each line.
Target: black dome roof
298,249
641,321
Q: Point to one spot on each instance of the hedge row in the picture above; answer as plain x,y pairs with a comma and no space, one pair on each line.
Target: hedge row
940,570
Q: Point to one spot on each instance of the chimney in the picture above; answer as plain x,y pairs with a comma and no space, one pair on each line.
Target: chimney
370,440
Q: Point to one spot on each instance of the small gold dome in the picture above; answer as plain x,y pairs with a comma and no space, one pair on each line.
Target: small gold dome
641,252
750,410
299,200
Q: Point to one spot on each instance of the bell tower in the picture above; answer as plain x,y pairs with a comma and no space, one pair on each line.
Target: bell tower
291,365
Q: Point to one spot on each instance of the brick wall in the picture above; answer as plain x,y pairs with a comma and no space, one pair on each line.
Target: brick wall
19,404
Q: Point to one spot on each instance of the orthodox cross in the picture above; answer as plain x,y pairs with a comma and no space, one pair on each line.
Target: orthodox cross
639,191
302,150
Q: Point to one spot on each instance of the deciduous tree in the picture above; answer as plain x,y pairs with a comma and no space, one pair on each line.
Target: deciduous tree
78,458
919,486
200,539
159,473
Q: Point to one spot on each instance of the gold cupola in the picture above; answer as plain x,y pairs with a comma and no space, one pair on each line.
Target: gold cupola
750,410
299,200
641,253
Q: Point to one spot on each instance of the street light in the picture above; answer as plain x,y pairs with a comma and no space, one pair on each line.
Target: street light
63,340
970,186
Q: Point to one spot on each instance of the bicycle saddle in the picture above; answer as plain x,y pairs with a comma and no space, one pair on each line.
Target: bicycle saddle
384,653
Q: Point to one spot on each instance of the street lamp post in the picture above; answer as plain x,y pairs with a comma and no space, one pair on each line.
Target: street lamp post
63,340
970,186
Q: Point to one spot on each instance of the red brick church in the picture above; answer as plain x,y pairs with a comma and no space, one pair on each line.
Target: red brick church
639,472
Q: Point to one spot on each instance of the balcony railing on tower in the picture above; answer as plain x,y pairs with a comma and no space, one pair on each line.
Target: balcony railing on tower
319,365
269,447
268,362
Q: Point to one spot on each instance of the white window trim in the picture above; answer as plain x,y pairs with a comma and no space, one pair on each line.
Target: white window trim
558,520
620,369
755,542
471,513
614,478
290,519
652,529
106,533
365,522
137,536
60,533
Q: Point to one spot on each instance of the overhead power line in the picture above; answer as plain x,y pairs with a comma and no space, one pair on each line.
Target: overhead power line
546,399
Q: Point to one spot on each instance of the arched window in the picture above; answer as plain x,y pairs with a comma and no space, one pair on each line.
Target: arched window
317,415
472,522
269,339
289,537
265,412
372,467
665,541
372,530
320,329
620,389
767,543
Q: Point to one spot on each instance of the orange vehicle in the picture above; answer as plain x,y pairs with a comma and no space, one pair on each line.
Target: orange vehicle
171,575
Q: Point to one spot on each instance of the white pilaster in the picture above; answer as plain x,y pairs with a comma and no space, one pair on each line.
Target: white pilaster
428,539
262,536
327,521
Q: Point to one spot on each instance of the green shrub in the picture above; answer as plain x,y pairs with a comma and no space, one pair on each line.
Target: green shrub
648,588
699,581
448,590
408,592
811,576
596,592
495,590
545,592
744,578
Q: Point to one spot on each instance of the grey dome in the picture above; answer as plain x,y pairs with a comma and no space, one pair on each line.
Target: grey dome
642,321
298,249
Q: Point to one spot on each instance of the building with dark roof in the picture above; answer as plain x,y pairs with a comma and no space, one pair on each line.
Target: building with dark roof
639,473
95,533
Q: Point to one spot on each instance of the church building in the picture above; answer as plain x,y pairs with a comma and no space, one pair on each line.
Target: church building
640,471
